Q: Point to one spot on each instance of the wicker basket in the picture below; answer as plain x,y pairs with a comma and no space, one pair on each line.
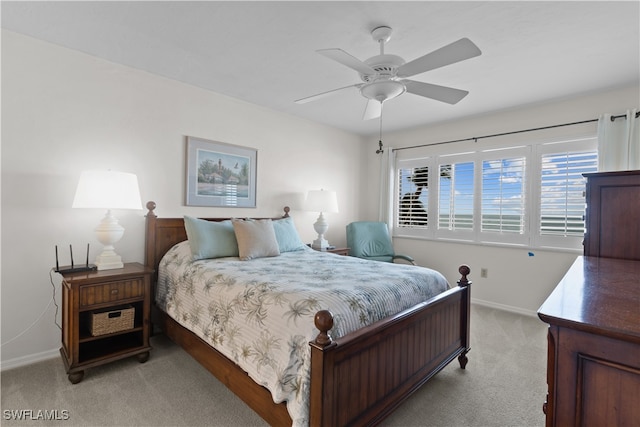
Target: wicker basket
113,320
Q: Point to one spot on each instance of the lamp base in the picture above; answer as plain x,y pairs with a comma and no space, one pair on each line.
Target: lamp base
320,244
321,226
109,260
109,232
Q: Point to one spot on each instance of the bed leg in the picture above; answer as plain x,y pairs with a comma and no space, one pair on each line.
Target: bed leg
463,359
465,315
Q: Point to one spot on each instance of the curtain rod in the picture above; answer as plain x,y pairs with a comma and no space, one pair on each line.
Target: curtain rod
613,118
476,138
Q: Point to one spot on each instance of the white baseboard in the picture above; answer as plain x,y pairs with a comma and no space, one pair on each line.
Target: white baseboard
29,359
504,307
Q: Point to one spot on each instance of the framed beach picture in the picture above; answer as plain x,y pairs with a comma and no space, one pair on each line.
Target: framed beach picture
220,174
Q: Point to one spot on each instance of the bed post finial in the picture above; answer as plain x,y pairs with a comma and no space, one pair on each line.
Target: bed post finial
324,322
464,270
151,205
286,212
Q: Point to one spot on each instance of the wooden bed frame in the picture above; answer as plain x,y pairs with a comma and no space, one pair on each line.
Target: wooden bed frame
357,379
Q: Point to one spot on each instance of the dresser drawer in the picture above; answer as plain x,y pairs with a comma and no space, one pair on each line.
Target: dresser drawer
111,292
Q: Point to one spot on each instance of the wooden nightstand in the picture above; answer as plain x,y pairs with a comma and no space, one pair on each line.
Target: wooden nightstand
339,251
90,301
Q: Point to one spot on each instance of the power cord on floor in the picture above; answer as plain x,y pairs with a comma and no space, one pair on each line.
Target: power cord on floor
53,300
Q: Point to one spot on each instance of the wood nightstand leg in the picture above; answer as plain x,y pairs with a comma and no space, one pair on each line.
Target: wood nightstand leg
76,377
143,357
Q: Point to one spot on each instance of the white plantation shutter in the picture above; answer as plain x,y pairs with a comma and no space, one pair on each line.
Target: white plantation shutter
562,187
503,195
455,196
413,203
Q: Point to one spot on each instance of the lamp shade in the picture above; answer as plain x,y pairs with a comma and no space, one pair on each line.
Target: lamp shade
321,201
107,190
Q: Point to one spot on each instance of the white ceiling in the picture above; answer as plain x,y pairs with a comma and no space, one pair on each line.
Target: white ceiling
264,52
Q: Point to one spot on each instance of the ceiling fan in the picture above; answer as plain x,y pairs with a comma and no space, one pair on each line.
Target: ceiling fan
384,76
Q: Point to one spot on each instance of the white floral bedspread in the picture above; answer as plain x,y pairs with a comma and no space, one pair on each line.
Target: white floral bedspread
259,313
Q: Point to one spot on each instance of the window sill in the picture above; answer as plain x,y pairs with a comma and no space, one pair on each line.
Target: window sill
577,251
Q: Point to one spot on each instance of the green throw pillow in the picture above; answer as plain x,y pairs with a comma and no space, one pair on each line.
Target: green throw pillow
209,239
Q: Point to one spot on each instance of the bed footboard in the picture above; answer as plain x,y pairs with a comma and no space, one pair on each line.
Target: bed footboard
361,378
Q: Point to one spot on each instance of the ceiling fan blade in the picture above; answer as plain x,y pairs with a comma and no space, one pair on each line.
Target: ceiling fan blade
323,94
372,110
350,61
446,55
439,93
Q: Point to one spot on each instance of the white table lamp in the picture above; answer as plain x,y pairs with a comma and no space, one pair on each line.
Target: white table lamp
321,201
108,190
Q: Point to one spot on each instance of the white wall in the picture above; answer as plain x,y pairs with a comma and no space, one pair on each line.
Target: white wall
516,281
64,112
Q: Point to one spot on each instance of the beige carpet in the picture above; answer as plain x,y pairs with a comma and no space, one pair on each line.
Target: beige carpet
503,385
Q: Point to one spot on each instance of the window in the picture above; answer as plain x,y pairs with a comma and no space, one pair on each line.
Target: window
560,215
562,189
532,195
413,184
455,198
503,195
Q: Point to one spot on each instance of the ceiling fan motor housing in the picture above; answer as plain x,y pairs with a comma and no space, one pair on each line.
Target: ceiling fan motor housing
382,85
385,66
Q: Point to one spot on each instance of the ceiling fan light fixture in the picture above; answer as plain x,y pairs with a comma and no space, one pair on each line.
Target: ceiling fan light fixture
383,90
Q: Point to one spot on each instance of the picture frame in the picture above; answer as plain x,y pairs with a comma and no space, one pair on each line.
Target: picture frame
220,174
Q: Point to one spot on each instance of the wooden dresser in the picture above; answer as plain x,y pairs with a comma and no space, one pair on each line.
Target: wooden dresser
593,371
613,215
593,368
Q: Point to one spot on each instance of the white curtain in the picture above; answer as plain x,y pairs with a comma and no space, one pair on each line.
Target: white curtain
618,142
385,207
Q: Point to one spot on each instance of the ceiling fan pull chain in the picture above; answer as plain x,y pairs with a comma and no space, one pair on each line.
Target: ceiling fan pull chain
380,150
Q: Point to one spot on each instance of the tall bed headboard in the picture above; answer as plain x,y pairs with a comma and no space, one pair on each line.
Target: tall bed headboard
162,233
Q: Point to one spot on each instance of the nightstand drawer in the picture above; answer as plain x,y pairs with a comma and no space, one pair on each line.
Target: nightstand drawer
111,292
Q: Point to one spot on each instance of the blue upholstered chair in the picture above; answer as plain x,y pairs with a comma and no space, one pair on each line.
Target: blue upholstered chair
371,240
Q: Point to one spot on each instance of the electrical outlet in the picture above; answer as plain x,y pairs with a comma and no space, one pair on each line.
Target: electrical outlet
484,273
